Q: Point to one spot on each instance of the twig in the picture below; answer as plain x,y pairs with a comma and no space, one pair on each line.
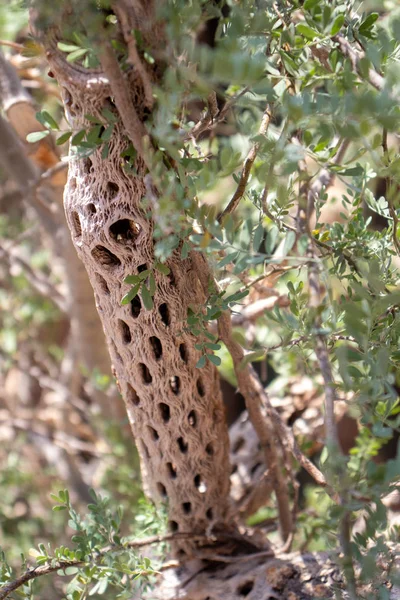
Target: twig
376,80
36,572
123,10
207,123
19,47
330,396
134,127
389,191
261,423
248,164
30,574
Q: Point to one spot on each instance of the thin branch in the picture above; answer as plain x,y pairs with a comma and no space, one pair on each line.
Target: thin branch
135,129
376,80
30,574
14,45
123,10
321,350
208,123
261,423
248,164
36,572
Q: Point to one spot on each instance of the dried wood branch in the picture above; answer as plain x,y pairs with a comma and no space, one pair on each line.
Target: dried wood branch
135,129
124,12
248,164
261,423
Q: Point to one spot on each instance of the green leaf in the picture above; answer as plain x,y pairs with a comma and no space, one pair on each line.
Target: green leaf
306,31
36,136
144,274
338,24
214,359
71,570
352,171
162,268
107,133
289,242
368,22
92,119
201,362
131,294
152,284
47,120
78,137
258,236
67,47
212,346
147,299
77,54
227,259
64,137
109,116
133,279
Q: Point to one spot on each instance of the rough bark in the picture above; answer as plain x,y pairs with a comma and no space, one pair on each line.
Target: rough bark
175,410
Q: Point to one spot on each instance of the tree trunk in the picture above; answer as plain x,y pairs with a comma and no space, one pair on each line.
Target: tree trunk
175,409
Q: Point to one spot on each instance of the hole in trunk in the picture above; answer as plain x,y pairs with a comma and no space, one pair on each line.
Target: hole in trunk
175,384
164,412
245,588
209,514
254,468
164,312
146,375
153,433
210,449
112,189
87,165
200,387
136,306
76,224
183,447
131,395
200,484
91,208
234,469
124,331
192,418
183,352
102,283
238,445
124,230
173,525
171,277
156,346
187,508
162,490
171,470
105,257
142,268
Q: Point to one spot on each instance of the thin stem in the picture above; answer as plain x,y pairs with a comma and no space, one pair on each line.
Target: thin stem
248,164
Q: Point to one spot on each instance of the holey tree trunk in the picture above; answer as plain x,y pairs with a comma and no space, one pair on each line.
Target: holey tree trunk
175,410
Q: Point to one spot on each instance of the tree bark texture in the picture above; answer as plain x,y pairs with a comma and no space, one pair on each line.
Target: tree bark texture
175,410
